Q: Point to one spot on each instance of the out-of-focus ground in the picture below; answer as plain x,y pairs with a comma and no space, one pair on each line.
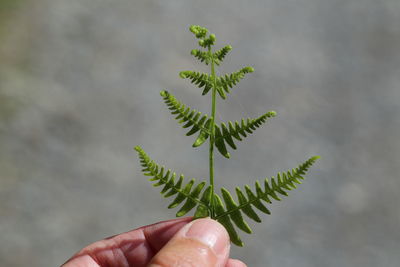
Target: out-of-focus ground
79,88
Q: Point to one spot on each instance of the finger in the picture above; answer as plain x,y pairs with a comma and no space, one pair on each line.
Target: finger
158,234
135,247
235,263
203,242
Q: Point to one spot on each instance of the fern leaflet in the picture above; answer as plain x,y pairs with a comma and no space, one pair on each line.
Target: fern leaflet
201,55
284,181
225,133
220,54
171,187
189,117
199,79
229,80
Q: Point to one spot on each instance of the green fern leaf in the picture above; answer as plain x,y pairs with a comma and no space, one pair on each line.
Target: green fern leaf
183,192
189,195
247,209
201,55
226,221
235,215
219,143
203,135
191,118
203,210
237,130
229,80
254,198
220,54
202,80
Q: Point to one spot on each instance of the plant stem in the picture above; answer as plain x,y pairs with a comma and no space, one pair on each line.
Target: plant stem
212,135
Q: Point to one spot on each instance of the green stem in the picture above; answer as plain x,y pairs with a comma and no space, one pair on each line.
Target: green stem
212,135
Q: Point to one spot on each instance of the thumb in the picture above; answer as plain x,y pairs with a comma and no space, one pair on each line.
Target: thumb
203,242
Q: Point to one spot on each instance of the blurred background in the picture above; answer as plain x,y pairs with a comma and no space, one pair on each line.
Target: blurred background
79,88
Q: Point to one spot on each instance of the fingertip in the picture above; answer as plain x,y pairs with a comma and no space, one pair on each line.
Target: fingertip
210,233
203,242
235,263
84,260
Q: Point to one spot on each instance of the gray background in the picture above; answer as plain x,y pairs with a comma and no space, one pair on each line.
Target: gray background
79,88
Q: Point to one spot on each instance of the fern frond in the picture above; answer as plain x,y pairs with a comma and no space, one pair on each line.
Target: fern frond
202,80
229,80
220,54
231,212
254,198
189,191
201,55
225,133
191,118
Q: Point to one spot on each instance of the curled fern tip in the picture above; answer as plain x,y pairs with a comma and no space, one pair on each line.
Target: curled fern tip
198,31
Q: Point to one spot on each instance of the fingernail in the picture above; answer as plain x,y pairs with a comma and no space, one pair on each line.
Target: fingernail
210,233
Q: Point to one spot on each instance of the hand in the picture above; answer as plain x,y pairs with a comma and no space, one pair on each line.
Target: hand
179,242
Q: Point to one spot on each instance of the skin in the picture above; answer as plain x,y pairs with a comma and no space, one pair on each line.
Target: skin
179,242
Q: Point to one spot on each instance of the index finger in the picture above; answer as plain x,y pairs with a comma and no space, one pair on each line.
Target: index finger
133,248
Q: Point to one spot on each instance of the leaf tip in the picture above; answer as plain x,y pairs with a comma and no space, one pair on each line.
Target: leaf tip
197,143
182,74
172,205
180,213
248,69
239,243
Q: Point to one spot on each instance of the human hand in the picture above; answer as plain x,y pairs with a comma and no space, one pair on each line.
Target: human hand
179,242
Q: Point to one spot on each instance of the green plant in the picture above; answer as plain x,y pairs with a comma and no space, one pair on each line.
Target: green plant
201,196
